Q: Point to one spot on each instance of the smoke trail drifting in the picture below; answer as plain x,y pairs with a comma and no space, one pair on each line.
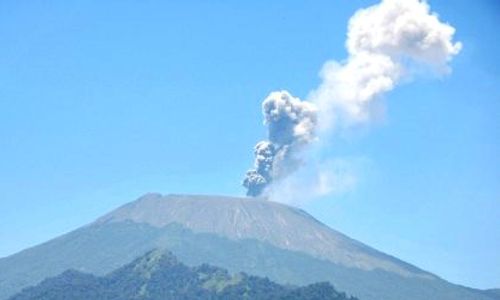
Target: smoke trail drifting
386,43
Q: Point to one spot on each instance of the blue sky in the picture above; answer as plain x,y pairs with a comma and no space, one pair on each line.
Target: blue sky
101,102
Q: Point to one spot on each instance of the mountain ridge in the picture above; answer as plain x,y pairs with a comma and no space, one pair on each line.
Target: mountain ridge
257,218
159,275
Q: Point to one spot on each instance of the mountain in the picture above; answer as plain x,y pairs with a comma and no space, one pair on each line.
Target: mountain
254,236
493,293
244,218
159,275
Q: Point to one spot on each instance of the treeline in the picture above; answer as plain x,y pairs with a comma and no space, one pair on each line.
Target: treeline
158,275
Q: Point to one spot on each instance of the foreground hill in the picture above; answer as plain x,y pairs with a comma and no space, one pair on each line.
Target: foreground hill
158,275
254,236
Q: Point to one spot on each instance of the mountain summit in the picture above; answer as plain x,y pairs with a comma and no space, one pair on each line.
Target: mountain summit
254,236
256,218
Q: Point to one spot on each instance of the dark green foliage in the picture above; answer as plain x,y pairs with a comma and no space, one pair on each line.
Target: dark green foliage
251,287
69,285
159,276
316,291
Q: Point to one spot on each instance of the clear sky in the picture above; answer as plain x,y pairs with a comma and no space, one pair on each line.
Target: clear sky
103,101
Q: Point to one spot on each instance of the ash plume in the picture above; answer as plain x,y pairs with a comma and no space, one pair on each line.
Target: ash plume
291,124
387,43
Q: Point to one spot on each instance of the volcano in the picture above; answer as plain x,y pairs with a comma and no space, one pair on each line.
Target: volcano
251,235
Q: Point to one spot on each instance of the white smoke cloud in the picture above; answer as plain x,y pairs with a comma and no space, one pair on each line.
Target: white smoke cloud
402,28
386,43
338,176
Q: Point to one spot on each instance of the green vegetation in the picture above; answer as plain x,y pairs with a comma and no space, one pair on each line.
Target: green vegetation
159,276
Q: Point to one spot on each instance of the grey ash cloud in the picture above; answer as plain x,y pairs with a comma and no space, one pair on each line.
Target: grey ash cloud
291,125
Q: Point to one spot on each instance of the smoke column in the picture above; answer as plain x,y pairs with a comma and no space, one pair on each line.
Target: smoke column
386,43
291,125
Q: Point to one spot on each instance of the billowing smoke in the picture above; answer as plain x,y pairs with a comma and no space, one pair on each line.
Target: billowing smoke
291,124
386,43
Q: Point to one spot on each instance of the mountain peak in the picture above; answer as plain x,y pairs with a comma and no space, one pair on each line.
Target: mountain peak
154,259
239,218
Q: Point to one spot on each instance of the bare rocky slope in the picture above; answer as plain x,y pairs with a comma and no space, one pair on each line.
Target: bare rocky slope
253,218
